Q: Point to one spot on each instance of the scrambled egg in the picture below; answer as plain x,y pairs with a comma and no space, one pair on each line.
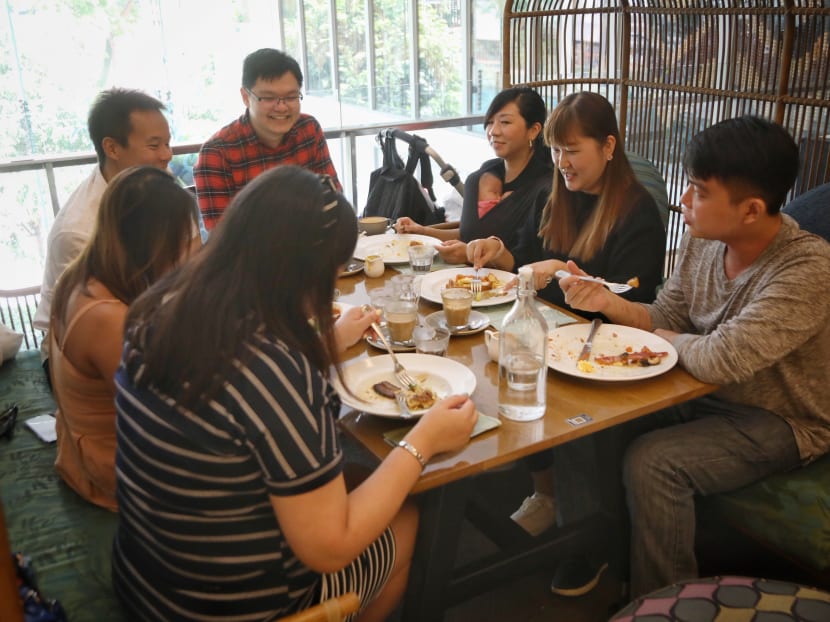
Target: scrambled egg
585,366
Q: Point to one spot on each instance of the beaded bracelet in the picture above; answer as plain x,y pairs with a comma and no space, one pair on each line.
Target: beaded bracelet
410,448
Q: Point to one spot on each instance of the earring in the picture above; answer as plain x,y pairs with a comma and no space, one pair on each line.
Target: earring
530,143
611,157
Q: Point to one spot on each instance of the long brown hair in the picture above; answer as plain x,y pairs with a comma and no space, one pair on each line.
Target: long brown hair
269,265
142,230
592,116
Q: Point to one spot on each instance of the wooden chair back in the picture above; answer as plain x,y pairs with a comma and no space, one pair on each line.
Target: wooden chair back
674,67
17,309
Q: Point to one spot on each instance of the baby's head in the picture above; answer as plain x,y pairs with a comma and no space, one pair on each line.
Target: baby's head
489,187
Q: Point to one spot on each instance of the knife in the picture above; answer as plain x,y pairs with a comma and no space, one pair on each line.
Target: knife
586,349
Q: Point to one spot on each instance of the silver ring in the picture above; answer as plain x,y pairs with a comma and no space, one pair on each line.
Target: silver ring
548,281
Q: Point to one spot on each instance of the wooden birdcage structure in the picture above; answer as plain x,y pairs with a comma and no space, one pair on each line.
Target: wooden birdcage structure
672,68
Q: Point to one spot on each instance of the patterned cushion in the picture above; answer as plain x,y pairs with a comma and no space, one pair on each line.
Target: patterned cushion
68,539
790,511
729,599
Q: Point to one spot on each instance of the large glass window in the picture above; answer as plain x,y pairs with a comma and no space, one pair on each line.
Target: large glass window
364,62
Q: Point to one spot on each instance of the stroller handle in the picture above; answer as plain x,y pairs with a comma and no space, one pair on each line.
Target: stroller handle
448,173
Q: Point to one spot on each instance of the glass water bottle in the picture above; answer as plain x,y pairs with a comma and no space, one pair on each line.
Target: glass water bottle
522,356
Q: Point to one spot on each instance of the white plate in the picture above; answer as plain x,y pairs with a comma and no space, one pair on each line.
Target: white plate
442,375
434,282
373,340
353,266
392,247
478,322
565,344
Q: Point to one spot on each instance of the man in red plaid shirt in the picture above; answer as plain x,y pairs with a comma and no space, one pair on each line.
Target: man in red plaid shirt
272,131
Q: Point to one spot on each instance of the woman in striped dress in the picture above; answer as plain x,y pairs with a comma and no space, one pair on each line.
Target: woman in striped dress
230,487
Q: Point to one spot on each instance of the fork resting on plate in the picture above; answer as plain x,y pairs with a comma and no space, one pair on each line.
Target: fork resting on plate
401,374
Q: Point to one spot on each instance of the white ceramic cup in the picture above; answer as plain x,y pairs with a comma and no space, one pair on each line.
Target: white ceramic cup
491,340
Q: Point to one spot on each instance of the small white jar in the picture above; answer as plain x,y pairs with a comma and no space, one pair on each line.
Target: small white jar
374,266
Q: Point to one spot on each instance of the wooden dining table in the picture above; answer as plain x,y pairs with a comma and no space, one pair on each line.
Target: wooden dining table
446,489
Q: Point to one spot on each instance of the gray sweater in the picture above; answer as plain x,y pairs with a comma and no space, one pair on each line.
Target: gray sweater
763,336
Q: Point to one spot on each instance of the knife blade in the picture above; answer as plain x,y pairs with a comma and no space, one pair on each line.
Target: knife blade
586,349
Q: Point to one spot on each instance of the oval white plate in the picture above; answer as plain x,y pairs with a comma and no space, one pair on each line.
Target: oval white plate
565,344
392,247
434,282
405,346
444,376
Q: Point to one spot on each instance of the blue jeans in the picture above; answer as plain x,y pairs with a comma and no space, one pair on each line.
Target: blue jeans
703,447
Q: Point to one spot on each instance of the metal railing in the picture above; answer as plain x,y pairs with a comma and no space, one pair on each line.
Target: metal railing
349,176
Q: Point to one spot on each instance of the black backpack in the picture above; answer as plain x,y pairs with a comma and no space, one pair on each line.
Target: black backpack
394,191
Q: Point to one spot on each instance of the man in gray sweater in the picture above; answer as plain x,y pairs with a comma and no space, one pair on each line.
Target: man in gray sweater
747,309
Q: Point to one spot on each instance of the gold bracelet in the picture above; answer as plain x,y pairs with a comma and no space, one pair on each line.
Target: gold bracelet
410,448
501,246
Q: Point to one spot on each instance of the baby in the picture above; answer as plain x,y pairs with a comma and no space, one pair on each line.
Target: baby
489,192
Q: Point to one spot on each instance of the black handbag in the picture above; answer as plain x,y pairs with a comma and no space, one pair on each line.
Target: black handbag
393,190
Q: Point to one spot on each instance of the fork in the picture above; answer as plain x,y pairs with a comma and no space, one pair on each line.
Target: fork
475,285
400,371
617,288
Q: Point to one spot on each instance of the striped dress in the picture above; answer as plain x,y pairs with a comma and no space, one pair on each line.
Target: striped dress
197,535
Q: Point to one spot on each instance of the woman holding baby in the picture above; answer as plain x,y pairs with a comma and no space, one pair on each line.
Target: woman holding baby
505,191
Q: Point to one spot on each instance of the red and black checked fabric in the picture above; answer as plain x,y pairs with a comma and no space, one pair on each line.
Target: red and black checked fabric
234,156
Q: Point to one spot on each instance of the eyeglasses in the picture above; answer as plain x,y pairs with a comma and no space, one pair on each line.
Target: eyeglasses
272,100
7,420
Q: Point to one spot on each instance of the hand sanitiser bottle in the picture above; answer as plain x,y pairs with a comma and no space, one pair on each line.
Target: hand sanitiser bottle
522,356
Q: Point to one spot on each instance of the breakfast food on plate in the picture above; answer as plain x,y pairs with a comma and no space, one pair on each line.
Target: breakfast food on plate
585,367
644,358
634,281
386,389
417,398
420,398
415,243
489,282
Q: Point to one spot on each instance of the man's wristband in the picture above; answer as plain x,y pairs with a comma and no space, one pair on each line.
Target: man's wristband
410,449
501,246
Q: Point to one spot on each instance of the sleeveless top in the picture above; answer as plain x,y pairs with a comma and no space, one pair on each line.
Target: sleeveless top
85,423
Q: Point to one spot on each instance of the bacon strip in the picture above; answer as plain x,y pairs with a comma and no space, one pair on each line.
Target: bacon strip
644,357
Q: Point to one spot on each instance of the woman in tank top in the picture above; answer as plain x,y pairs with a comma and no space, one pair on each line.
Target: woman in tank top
143,229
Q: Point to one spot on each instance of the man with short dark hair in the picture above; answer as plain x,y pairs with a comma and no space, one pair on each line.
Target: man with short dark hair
127,128
272,131
747,308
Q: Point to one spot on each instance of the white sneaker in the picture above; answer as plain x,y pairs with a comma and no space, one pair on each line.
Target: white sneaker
536,514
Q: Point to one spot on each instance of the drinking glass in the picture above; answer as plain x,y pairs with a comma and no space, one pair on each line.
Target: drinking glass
401,318
379,297
420,258
405,287
457,304
431,340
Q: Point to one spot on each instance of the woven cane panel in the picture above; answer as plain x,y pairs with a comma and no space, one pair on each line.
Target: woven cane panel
673,68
